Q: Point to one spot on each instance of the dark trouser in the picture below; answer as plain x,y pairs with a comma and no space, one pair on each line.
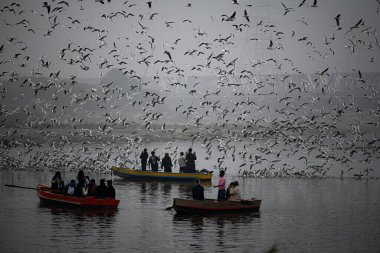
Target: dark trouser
143,166
167,169
154,167
190,168
182,169
221,195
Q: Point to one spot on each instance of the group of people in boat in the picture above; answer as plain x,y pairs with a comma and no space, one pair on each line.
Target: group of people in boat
83,186
232,193
186,161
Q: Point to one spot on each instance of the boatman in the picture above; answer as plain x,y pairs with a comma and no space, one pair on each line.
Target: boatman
144,159
221,186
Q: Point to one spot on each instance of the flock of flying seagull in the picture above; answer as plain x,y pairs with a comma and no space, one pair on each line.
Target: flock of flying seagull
268,125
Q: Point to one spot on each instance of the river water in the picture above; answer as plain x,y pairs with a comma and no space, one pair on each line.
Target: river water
296,215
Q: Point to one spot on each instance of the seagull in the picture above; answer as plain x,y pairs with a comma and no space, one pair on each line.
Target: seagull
337,19
287,10
246,15
46,6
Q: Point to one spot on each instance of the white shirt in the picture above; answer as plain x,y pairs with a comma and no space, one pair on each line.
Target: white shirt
182,162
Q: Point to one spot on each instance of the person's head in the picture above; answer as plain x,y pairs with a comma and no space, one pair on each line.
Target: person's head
145,150
236,183
181,154
166,154
80,173
72,182
221,173
190,150
58,174
152,153
109,182
102,181
197,181
92,181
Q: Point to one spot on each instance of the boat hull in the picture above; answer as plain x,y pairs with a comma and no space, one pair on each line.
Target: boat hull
209,206
160,176
48,197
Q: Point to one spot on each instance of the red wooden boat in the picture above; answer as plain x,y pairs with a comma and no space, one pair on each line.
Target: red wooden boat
191,206
46,195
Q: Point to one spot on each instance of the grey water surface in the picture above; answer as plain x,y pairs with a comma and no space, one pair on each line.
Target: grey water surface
296,215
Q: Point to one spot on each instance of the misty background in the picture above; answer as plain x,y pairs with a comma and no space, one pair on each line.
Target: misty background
263,88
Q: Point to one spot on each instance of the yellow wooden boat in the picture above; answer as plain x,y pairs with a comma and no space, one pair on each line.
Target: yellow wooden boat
155,175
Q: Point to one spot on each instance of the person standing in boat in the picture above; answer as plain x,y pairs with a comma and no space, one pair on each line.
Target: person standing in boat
153,161
144,159
221,186
166,163
190,161
111,189
182,163
198,190
57,182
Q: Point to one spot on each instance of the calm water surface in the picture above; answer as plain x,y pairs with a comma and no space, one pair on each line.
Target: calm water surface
297,215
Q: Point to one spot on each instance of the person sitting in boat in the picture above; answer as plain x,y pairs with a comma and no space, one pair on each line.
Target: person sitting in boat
198,190
190,161
234,192
57,182
182,163
166,163
230,186
221,186
92,188
81,189
70,188
111,189
101,190
144,159
153,161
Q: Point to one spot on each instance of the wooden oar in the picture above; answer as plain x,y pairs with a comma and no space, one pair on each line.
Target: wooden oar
32,188
22,187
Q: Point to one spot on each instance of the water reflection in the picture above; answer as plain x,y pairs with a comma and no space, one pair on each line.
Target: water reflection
79,212
95,228
214,228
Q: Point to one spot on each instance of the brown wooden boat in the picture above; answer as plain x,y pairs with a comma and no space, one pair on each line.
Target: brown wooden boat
191,206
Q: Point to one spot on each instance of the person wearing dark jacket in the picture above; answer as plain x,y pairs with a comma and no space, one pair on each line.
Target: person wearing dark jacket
144,159
166,163
111,189
57,182
198,190
153,161
101,190
190,161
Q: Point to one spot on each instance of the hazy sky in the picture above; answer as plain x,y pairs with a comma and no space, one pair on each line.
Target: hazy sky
121,34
